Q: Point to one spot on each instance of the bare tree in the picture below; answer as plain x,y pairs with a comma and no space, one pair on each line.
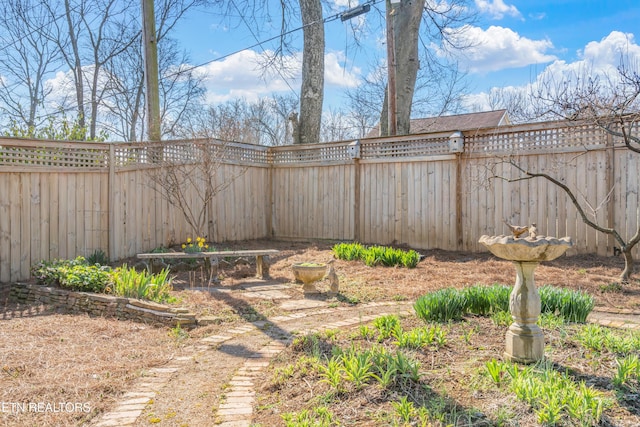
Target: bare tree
261,122
187,178
27,58
609,102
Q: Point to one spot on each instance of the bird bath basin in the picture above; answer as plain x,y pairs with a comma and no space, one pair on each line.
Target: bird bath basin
524,340
308,273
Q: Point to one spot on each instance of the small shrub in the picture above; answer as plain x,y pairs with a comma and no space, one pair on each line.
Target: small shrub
98,257
86,278
48,273
441,306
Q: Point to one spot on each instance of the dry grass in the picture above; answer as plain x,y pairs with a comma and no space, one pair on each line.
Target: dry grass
59,359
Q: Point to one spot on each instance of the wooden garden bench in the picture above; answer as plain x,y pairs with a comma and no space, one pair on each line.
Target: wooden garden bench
211,259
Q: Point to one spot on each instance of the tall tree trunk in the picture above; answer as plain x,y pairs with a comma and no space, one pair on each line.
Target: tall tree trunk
76,63
312,91
406,18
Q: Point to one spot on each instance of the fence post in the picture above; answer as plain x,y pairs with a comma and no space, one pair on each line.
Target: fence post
111,217
456,145
354,153
610,156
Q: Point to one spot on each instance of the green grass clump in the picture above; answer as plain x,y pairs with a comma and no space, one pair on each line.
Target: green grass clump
349,251
441,306
451,304
485,300
376,255
573,306
555,397
130,283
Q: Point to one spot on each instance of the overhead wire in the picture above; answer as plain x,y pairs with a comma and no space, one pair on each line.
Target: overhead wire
331,18
258,43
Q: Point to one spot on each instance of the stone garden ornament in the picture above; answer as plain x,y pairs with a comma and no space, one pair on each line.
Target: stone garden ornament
524,339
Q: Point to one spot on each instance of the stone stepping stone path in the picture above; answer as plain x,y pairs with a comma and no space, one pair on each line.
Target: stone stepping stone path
237,408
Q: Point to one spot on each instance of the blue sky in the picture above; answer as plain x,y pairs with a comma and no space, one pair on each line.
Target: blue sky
515,42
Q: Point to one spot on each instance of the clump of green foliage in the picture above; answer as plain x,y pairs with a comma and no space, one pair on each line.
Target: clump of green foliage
76,274
80,275
376,255
451,304
442,305
130,283
98,257
555,397
573,306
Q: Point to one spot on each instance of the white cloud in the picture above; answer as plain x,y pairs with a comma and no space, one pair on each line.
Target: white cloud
497,8
598,58
499,48
611,49
244,75
336,75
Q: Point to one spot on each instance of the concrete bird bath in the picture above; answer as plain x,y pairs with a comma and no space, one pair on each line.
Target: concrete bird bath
308,273
525,341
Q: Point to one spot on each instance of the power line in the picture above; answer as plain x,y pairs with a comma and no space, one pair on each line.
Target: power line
278,70
279,36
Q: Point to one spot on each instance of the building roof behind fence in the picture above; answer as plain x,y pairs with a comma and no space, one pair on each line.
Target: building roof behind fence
461,122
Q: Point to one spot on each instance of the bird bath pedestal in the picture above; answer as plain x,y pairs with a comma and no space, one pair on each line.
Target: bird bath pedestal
308,273
525,341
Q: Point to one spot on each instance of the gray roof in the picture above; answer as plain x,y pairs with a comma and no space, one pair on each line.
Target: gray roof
461,122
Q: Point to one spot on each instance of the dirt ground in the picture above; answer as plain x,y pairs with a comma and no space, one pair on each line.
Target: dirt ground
52,357
438,269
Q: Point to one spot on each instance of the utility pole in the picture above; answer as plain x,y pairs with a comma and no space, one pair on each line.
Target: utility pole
391,69
150,46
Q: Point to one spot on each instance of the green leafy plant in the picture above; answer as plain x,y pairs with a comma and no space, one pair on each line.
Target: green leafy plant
484,300
573,306
348,251
628,369
376,255
405,409
386,325
357,368
87,278
48,273
98,257
128,282
420,337
495,369
178,334
441,306
332,373
317,417
554,396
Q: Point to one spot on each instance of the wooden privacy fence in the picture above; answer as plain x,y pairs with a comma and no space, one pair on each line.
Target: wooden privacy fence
60,200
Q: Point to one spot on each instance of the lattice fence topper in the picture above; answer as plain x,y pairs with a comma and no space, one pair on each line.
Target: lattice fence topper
521,139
